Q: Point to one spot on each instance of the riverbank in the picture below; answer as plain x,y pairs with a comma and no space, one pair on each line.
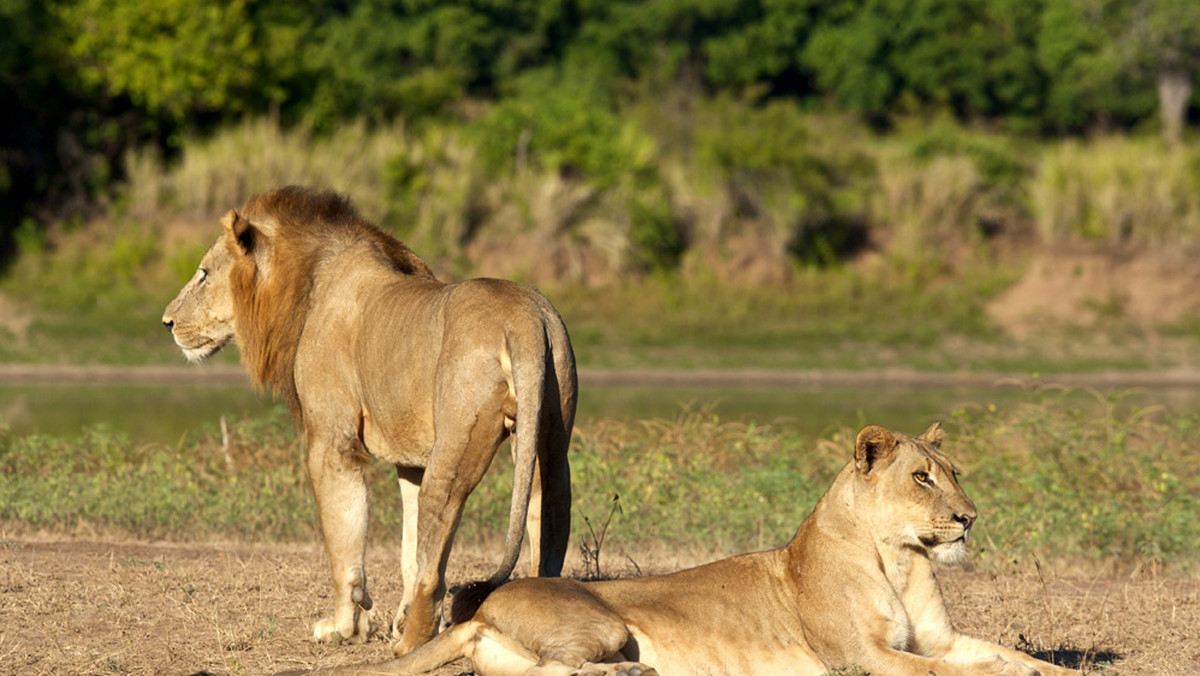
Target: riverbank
223,374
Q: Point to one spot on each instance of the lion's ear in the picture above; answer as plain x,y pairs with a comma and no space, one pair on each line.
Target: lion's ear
874,443
934,435
241,233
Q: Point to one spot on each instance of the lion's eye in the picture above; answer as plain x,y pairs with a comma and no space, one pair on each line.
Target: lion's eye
921,478
201,275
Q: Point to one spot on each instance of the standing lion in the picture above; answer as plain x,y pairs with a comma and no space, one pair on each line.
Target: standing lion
377,358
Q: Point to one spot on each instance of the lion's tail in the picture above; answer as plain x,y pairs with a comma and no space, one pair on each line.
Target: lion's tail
529,366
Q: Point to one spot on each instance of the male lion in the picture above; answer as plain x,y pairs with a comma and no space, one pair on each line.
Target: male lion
855,586
376,357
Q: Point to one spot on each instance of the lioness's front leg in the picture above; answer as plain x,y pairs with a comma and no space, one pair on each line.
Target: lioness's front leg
967,649
899,663
335,467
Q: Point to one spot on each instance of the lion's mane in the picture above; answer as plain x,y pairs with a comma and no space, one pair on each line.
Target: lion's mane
272,302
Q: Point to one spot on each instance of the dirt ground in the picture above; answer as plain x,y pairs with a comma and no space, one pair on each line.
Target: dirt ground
109,607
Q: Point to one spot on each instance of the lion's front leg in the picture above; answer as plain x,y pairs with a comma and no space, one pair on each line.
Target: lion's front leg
336,471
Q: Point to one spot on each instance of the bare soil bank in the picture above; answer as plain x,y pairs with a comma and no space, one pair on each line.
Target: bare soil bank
90,607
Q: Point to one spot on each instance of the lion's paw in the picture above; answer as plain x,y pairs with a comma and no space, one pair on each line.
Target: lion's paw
327,631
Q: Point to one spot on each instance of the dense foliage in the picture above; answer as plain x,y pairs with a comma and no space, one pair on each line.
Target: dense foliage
81,81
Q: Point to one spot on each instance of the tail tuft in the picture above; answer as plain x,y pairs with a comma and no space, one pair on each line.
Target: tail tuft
468,599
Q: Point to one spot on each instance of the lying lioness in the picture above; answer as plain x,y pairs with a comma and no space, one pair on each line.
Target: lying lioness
855,586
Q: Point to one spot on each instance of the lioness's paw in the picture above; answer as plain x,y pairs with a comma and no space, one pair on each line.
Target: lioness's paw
1057,671
1002,667
615,669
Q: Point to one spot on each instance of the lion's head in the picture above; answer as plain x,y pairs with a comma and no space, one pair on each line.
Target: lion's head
254,284
911,492
201,316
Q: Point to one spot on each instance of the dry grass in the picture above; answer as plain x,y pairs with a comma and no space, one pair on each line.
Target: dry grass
1117,190
87,607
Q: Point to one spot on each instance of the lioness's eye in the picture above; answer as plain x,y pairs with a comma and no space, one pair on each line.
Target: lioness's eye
201,275
921,477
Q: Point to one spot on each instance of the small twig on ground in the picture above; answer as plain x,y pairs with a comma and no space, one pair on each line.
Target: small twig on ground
591,550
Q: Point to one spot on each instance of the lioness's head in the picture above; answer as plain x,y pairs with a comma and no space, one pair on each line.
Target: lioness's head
909,492
201,317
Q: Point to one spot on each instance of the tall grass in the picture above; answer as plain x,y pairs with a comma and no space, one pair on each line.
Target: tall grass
1117,190
748,191
1102,485
215,174
697,214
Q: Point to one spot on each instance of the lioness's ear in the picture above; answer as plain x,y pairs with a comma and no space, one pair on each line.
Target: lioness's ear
934,435
874,443
240,232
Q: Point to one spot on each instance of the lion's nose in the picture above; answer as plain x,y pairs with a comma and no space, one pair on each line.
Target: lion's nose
168,322
965,519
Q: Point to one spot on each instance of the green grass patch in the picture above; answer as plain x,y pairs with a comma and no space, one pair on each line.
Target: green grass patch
1102,483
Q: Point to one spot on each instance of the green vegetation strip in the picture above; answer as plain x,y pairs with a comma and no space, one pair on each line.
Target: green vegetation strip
1097,483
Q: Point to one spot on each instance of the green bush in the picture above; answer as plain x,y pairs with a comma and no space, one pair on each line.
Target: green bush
812,194
562,122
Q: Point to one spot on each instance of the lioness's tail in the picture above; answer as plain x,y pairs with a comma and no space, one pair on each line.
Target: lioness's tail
443,649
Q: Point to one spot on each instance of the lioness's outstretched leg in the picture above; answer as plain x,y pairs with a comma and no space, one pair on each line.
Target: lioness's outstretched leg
335,467
466,442
967,649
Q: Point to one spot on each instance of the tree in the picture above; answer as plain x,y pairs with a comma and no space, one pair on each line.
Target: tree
974,58
172,57
1166,45
1107,57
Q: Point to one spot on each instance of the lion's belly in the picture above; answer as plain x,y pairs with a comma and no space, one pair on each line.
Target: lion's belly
406,441
677,656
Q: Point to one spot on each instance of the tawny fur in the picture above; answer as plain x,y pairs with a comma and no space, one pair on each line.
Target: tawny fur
854,586
377,358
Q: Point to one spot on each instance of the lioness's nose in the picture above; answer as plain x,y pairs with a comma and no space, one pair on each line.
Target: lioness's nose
965,519
168,322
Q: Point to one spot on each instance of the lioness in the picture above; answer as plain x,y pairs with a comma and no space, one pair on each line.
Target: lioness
855,586
376,357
